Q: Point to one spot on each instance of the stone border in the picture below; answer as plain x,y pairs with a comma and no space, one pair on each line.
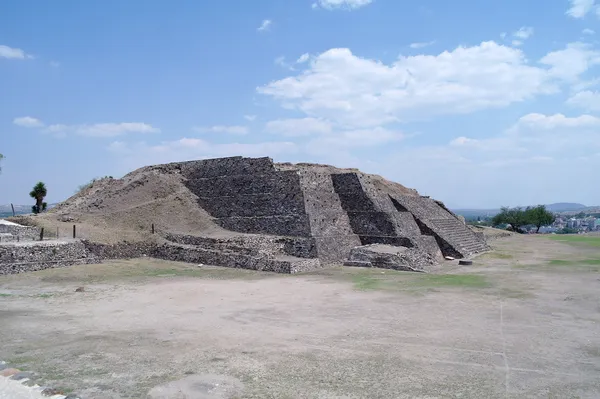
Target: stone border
26,378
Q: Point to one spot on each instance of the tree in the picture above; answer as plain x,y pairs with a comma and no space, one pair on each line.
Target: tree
38,193
515,217
1,158
539,216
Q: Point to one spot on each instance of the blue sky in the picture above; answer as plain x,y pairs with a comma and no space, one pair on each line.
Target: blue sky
478,104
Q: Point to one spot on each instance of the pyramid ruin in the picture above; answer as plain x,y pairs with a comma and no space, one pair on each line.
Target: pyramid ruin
256,214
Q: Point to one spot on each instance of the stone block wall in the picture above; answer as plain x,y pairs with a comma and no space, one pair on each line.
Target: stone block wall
249,195
24,233
329,223
32,256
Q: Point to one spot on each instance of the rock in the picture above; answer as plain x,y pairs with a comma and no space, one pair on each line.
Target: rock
21,375
80,289
390,257
199,387
8,372
51,392
465,262
448,257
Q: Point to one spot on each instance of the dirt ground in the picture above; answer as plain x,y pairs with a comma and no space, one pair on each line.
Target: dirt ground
523,322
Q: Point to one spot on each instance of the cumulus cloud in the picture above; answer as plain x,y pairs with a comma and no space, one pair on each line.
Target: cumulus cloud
28,121
222,129
588,100
13,53
341,4
588,31
265,25
580,8
357,92
571,62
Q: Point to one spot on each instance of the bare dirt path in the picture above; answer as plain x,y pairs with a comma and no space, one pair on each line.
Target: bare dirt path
522,323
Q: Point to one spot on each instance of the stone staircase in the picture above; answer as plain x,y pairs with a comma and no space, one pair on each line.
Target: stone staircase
459,236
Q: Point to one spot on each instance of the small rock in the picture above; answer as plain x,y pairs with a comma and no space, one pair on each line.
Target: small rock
21,375
8,372
449,258
51,392
200,264
465,262
80,289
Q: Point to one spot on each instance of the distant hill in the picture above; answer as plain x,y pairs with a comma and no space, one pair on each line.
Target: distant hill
565,207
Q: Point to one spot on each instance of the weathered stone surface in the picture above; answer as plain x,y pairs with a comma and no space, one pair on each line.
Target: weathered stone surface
390,257
286,218
35,255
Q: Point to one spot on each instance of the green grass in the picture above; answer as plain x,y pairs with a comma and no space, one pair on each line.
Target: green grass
592,241
389,280
2,295
496,255
587,262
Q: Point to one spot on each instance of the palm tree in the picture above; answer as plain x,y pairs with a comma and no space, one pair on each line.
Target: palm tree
38,193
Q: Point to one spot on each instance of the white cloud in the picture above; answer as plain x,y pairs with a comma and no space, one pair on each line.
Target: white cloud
112,129
536,157
356,92
303,58
54,64
568,64
588,100
524,33
222,129
341,4
298,127
90,130
588,31
556,121
580,8
13,53
184,149
265,25
28,121
283,63
250,118
517,43
422,44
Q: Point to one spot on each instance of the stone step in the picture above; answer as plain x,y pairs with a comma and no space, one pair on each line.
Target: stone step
230,258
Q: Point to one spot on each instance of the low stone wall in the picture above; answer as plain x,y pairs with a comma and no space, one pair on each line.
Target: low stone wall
32,256
24,233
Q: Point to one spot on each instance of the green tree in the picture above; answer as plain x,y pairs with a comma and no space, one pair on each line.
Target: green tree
515,217
1,158
38,193
539,216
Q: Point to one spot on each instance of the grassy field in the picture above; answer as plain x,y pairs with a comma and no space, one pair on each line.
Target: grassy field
585,240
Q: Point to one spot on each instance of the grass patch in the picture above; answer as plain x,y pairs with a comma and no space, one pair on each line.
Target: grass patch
586,262
592,241
137,269
496,255
390,280
2,295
